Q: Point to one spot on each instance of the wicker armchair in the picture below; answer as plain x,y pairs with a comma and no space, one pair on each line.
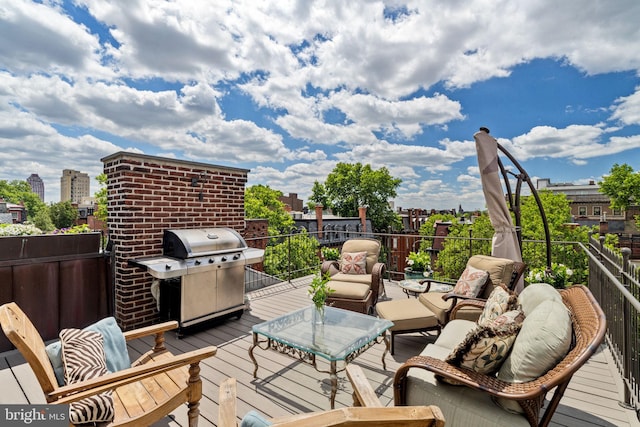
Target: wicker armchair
442,304
478,390
356,292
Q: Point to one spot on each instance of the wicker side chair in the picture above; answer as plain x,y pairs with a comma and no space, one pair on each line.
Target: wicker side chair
442,304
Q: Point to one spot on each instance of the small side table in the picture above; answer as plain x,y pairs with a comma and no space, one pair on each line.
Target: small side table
415,288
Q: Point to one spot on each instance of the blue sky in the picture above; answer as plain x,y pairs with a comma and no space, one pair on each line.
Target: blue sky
287,89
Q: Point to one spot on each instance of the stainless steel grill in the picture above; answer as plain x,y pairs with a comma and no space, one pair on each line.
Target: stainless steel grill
201,274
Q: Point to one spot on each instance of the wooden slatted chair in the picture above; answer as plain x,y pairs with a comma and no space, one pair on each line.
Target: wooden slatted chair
372,413
155,385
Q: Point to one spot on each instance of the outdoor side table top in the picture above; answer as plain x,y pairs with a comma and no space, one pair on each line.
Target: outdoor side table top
333,334
414,288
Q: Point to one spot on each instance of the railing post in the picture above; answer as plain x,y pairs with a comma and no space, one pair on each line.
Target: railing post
470,242
289,258
626,253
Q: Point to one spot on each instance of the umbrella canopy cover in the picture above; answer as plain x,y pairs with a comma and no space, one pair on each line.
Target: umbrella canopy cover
505,239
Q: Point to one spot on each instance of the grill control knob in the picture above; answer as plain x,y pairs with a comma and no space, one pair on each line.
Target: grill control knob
167,267
224,258
211,260
236,256
197,262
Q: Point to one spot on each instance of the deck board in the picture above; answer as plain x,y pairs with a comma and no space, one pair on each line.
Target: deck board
285,386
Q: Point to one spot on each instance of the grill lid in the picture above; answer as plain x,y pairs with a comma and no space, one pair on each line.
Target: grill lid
193,242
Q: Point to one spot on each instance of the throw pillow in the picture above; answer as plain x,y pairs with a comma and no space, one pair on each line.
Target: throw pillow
485,348
471,282
353,263
253,419
535,294
83,359
512,316
545,338
500,301
115,348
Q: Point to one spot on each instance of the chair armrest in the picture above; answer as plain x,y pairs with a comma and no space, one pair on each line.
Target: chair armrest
468,378
331,267
469,303
457,298
150,330
363,393
406,416
377,276
227,404
429,282
80,390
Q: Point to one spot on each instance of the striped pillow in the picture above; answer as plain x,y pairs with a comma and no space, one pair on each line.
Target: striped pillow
83,359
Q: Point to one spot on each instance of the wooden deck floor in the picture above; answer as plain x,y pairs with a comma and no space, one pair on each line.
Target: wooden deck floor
285,386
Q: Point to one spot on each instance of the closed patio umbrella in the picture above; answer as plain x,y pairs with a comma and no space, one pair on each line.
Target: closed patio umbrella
505,239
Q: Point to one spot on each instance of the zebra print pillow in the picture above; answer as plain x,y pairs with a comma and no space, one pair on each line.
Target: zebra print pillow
83,359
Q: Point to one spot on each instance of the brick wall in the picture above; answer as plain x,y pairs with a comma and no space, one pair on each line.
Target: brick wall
148,194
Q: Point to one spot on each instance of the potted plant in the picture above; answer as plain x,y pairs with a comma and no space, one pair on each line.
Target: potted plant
419,265
330,254
319,290
559,277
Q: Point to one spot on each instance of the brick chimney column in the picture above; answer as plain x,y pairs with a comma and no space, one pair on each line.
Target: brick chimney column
319,220
362,213
604,227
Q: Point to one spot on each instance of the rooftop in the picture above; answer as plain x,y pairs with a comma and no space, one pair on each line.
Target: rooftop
286,386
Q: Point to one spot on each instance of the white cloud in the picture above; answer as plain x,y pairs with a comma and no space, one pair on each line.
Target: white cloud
324,81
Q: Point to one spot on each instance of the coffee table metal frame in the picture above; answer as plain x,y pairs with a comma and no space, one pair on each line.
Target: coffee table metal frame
336,335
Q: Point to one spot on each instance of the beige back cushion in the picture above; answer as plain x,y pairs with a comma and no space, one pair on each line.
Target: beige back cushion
370,246
500,270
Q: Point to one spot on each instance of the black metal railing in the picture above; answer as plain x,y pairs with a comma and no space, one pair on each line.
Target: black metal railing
613,280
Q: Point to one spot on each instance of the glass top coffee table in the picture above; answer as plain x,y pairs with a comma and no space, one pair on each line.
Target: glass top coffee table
337,336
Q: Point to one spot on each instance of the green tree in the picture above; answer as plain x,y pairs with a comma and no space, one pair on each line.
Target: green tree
63,214
622,185
292,256
20,192
350,186
452,259
261,201
101,197
318,196
558,213
42,220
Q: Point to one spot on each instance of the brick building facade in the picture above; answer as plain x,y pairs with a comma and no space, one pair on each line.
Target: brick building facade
148,194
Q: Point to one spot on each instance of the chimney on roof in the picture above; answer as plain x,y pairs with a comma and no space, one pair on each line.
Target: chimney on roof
592,182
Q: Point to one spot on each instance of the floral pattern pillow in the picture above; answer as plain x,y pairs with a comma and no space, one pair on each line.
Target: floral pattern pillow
471,282
500,301
485,348
353,263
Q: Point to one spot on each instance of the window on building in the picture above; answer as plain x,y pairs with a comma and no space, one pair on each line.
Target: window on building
597,211
617,212
582,211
